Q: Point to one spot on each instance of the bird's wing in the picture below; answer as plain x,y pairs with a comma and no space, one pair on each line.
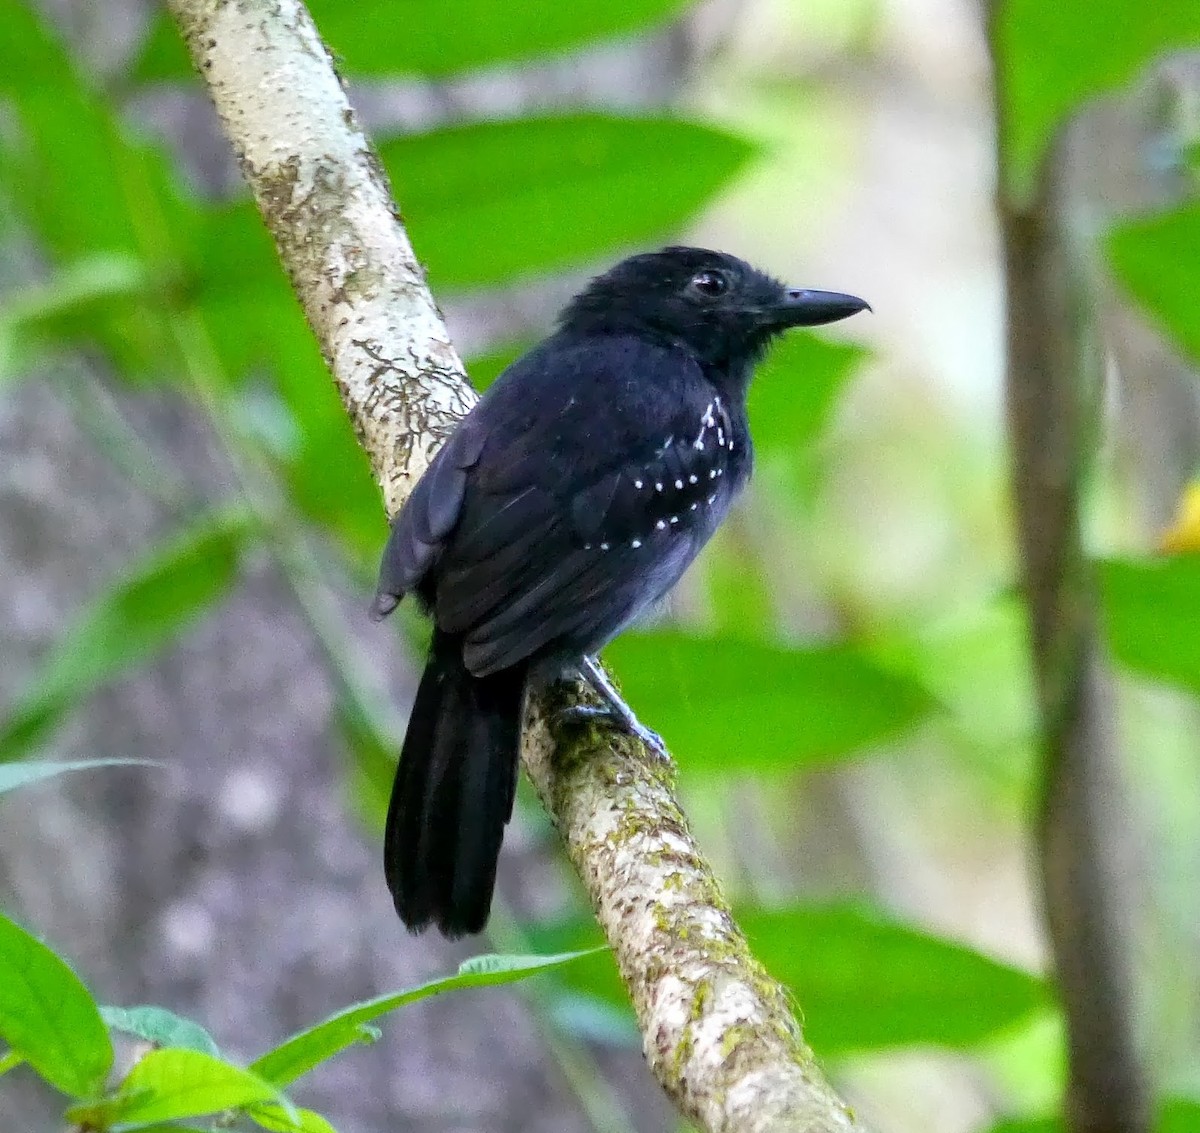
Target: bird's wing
539,567
419,531
573,495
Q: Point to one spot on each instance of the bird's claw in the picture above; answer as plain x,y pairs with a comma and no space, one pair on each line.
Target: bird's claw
590,713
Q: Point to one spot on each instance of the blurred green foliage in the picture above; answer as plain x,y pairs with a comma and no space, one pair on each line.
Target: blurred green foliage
175,289
864,981
50,1021
1157,258
1057,56
435,38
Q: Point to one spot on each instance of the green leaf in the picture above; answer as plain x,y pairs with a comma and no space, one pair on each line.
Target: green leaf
10,1061
1176,1115
273,357
16,775
299,1054
1151,611
48,1017
33,318
862,981
75,179
795,390
496,200
866,982
174,1085
435,37
484,369
594,1020
1157,260
1030,1125
1053,57
733,706
141,613
277,1119
1179,1115
159,1026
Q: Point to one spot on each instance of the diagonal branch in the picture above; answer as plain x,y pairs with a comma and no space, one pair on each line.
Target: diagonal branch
719,1033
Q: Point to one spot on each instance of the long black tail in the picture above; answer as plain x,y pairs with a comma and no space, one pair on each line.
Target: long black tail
453,793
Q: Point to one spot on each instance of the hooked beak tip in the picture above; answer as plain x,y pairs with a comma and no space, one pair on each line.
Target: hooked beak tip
806,308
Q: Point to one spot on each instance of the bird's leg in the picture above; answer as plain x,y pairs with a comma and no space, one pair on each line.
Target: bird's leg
614,709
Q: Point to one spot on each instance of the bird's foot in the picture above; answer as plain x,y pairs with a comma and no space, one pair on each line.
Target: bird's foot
614,710
625,721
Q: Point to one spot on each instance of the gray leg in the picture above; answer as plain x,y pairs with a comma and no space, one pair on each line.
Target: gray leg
614,708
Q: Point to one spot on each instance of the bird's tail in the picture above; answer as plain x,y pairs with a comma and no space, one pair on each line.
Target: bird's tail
453,793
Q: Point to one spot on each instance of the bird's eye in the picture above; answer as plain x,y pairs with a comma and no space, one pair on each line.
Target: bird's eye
710,283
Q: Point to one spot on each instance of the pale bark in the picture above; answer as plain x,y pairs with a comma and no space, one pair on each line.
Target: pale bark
719,1033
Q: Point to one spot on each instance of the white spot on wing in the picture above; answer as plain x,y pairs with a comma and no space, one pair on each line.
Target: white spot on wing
635,543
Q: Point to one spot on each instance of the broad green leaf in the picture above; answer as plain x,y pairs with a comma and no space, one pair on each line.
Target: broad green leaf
484,369
274,358
594,1020
435,37
159,1026
48,1017
737,579
168,1127
1030,1125
861,980
14,775
1179,1115
142,612
279,1120
1151,611
728,705
36,317
1176,1115
795,390
87,192
373,759
867,982
1157,259
10,1061
1053,57
299,1054
174,1085
492,201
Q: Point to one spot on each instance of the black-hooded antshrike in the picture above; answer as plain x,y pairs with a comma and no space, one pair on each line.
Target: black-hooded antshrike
570,499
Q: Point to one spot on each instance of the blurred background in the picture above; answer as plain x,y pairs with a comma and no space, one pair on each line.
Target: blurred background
188,536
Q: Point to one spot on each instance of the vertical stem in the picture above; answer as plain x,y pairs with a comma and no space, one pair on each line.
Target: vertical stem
1054,382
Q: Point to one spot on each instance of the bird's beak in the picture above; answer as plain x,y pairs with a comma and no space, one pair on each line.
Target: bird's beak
802,308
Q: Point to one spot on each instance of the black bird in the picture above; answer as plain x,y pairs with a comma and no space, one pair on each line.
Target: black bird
570,499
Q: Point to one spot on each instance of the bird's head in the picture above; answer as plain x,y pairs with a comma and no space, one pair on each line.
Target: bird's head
716,306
